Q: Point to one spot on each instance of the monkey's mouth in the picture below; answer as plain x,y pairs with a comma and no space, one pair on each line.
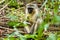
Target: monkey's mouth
30,10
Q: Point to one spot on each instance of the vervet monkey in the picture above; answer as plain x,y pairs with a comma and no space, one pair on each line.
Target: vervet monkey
32,12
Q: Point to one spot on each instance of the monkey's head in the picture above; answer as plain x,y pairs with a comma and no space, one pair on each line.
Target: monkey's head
31,11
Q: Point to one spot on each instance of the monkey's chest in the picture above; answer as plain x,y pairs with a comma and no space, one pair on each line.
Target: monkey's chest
32,18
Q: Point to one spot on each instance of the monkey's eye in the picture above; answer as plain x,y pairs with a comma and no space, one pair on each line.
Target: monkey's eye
30,10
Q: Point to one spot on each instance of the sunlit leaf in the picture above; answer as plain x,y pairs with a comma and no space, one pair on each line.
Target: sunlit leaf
13,3
56,6
46,27
40,30
52,37
12,23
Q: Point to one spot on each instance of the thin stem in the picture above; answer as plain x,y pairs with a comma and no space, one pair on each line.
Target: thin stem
44,3
5,6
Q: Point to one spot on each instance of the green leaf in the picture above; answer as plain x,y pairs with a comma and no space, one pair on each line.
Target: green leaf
30,36
58,38
46,27
52,37
12,23
12,17
56,7
56,19
13,2
40,30
11,38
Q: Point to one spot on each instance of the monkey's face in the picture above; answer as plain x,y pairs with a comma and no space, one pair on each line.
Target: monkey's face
30,10
31,13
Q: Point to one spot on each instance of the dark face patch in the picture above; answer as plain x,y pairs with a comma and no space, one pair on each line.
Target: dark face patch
30,10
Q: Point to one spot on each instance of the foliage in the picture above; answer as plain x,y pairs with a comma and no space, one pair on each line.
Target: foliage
16,14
